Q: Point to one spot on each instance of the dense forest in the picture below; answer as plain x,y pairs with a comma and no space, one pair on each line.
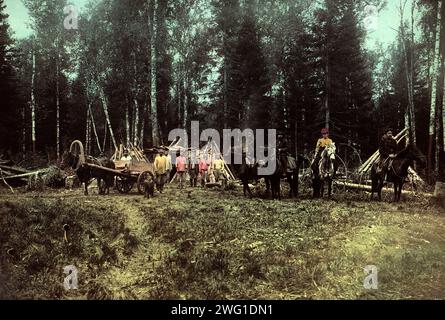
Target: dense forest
132,70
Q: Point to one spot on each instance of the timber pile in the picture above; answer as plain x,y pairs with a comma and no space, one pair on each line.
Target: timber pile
16,176
135,152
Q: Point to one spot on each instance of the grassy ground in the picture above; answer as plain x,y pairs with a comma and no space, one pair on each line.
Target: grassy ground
211,244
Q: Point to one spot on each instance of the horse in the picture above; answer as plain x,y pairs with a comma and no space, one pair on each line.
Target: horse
248,172
292,170
85,173
397,171
324,171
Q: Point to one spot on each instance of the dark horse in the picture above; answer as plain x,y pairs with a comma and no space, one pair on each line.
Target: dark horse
249,172
292,171
397,171
85,173
323,171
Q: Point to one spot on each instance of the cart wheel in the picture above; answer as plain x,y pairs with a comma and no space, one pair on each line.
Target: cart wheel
123,185
141,180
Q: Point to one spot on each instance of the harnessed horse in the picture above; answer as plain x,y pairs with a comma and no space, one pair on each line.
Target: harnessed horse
79,162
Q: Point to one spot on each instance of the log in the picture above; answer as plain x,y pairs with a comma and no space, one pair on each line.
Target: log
25,175
369,188
14,169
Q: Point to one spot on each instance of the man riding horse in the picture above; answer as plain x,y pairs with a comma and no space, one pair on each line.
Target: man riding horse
329,166
322,143
387,150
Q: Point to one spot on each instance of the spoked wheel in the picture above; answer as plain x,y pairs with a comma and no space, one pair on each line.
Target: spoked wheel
142,177
123,184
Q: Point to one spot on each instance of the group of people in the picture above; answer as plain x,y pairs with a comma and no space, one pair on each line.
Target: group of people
202,167
207,169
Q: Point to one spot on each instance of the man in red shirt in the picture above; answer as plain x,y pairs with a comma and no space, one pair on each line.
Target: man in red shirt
181,169
203,167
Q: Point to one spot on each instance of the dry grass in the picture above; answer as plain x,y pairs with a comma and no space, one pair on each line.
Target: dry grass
211,244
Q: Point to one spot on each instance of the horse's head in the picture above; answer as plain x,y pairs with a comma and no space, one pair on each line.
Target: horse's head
413,153
69,160
329,152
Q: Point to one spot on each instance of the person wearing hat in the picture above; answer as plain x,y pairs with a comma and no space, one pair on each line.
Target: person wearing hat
322,143
387,149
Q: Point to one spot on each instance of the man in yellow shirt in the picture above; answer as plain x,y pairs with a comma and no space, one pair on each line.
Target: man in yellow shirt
218,168
160,168
322,143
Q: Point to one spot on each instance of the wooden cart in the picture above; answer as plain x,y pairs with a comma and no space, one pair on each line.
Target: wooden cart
128,174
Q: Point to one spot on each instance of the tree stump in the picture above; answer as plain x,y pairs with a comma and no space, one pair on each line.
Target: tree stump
439,190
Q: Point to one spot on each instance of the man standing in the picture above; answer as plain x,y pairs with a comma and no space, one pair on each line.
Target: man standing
193,169
218,169
203,167
160,168
180,169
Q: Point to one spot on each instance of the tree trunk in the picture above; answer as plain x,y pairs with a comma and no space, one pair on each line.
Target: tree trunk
107,116
33,101
57,108
225,110
127,124
438,140
141,136
410,120
443,106
87,132
93,123
434,76
105,138
186,102
327,111
154,105
136,122
24,131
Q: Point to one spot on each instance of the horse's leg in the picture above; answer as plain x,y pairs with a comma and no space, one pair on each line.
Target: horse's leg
86,188
395,191
321,189
279,188
290,180
400,191
329,188
379,188
296,184
100,186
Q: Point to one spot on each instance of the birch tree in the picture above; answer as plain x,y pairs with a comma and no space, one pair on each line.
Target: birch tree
153,75
434,84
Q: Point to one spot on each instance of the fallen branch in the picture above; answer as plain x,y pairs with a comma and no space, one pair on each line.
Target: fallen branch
14,169
25,175
4,181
